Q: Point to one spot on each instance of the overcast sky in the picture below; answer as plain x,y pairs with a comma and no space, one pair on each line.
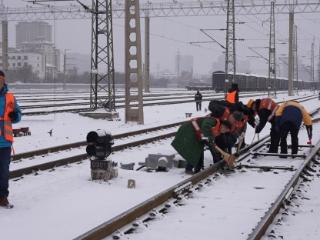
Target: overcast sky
168,35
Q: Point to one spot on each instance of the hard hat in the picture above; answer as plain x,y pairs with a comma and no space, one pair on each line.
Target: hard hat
250,103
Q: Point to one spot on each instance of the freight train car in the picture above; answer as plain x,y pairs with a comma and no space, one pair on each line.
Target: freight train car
250,82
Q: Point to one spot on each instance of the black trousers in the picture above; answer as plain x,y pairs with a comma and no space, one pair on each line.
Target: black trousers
198,106
275,139
5,156
294,131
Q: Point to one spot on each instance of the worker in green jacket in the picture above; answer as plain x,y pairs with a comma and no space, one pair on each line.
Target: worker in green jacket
192,137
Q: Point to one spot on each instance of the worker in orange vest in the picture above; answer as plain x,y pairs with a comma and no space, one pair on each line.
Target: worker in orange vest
233,94
265,108
9,113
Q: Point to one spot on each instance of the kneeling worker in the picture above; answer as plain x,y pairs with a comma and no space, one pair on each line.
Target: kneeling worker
192,137
288,118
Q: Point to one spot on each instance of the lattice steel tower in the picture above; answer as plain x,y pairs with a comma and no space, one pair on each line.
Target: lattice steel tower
102,61
230,60
272,53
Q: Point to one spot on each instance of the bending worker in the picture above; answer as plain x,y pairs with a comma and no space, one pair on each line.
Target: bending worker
266,109
288,118
192,137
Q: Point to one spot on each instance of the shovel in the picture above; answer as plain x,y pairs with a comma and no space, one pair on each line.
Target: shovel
229,158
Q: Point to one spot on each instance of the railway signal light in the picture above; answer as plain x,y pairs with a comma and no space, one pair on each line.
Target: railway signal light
99,144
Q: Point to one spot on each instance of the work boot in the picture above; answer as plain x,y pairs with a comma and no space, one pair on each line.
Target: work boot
4,201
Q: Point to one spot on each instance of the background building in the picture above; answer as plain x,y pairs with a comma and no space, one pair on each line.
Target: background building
184,68
33,32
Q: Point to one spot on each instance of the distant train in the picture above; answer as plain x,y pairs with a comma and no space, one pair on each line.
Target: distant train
250,82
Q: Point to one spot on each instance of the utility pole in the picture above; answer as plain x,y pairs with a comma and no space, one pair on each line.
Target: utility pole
312,65
133,64
230,59
5,64
319,69
290,55
272,74
147,55
4,38
64,69
102,57
296,65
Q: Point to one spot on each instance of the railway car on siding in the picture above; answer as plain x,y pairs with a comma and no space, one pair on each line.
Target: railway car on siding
251,82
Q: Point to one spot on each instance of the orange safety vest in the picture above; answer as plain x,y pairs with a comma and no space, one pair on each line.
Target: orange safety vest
231,97
215,131
7,124
268,104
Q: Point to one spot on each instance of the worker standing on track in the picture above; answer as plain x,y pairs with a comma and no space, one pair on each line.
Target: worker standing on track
233,94
266,109
9,113
198,100
288,118
192,137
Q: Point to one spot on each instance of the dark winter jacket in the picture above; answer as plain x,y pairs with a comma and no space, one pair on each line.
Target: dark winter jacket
186,142
198,97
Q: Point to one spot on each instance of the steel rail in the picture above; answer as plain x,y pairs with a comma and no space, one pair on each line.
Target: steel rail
146,99
112,225
82,143
80,157
109,227
144,104
267,220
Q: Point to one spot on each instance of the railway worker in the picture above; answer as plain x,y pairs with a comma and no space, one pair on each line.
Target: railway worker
192,137
198,100
9,113
288,118
233,94
237,114
265,108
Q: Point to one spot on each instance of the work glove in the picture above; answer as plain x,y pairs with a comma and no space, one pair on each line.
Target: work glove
309,131
13,116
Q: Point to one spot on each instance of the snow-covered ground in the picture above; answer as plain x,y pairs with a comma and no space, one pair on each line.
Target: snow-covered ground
64,203
300,220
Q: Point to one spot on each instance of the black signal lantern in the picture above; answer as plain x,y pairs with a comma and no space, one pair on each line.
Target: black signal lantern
99,144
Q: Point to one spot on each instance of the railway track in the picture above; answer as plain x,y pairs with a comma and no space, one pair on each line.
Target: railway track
77,158
75,168
128,221
28,110
118,136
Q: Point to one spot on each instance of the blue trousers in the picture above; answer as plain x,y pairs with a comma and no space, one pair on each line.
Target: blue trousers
5,156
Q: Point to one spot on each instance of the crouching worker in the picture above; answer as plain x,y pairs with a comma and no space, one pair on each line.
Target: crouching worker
192,137
288,118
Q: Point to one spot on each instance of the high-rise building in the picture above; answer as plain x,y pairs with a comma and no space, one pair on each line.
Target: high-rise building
184,66
30,32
